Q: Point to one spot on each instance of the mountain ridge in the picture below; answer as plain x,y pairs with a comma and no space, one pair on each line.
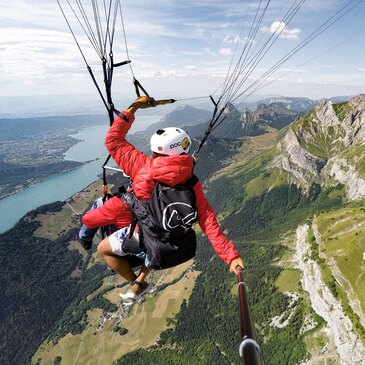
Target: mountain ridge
314,147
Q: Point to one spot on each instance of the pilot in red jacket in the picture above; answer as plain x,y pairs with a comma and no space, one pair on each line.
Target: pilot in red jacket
169,164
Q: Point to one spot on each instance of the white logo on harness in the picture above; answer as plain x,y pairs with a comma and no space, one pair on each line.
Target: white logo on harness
171,216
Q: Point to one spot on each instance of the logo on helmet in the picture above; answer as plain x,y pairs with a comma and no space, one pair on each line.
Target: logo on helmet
173,145
185,143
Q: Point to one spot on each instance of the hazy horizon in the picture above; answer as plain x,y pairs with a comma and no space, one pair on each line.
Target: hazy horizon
91,104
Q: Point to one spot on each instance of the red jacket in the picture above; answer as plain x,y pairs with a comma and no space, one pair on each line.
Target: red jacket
144,171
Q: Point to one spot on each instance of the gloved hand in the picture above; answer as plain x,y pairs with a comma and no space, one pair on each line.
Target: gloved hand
143,102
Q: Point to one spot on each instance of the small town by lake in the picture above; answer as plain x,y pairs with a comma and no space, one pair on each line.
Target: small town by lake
62,186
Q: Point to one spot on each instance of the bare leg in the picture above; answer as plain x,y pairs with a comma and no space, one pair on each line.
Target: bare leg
119,264
143,273
141,279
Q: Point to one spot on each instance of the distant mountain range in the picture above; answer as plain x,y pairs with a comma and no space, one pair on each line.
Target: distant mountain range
61,105
184,115
245,119
297,104
237,124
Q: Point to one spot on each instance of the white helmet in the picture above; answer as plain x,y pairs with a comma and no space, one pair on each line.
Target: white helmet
170,141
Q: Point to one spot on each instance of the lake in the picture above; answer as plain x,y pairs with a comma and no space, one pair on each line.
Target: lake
64,185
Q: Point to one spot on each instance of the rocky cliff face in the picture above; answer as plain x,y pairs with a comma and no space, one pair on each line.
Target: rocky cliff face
327,143
247,120
345,173
303,167
296,104
354,121
274,115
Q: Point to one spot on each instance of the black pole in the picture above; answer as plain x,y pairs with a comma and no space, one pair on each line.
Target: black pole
249,349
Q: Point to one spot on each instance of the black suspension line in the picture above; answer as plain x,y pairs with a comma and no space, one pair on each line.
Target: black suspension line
256,59
231,88
259,87
246,49
100,42
316,33
89,32
73,34
98,26
125,39
239,68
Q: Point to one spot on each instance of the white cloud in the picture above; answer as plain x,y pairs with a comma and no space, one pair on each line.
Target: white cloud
36,53
168,41
282,29
225,52
191,53
236,39
231,39
209,52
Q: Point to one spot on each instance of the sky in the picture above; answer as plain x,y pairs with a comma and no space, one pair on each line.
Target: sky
184,49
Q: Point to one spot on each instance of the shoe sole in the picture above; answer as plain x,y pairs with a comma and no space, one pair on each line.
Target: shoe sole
128,303
138,296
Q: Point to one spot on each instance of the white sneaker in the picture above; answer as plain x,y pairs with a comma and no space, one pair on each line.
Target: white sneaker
132,296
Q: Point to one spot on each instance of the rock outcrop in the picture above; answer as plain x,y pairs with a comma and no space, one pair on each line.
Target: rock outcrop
303,167
338,326
274,115
347,175
321,145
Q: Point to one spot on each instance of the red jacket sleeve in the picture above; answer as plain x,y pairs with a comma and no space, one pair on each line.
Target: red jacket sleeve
210,226
128,158
114,211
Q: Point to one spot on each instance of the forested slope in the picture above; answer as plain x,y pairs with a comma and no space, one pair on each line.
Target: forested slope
207,327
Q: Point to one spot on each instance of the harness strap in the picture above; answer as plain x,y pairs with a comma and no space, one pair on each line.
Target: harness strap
105,183
135,282
138,86
133,227
191,182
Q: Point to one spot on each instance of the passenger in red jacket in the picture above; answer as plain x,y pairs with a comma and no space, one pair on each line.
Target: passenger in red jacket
169,164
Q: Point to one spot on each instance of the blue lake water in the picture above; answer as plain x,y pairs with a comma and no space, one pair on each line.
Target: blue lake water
62,186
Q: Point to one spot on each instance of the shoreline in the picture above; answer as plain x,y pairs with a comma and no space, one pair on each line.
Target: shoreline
36,181
11,189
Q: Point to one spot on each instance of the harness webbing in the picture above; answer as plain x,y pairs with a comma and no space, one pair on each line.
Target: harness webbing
138,86
101,36
214,123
